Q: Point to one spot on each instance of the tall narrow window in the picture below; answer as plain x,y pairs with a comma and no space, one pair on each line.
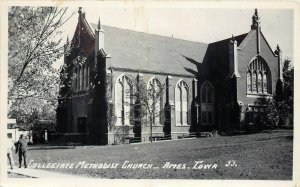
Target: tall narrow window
83,77
87,74
155,102
122,99
78,78
249,82
258,77
259,83
75,79
178,104
181,102
207,104
203,94
265,83
254,82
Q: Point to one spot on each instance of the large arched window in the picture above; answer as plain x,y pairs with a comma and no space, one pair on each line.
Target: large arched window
181,102
155,102
258,77
207,103
123,90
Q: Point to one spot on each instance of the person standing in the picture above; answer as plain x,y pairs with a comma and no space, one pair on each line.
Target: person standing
22,149
10,147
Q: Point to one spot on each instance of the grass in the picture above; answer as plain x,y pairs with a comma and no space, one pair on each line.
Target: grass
266,155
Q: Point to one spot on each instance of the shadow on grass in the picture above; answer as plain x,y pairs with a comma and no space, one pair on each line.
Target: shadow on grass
273,131
51,147
18,175
291,138
288,138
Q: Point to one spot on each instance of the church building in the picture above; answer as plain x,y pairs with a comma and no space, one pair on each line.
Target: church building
192,87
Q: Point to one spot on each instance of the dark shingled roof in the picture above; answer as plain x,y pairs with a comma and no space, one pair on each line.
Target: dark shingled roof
148,52
218,55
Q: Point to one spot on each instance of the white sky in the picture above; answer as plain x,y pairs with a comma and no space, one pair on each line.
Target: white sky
195,24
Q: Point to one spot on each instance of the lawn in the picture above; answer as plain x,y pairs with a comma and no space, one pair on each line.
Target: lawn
266,155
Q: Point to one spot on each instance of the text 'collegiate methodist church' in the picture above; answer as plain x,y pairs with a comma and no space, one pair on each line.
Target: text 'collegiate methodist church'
205,86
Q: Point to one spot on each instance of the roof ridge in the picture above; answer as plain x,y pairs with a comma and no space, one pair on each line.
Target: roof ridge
141,32
223,40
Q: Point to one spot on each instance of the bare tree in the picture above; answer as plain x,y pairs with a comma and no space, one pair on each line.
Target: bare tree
146,108
147,105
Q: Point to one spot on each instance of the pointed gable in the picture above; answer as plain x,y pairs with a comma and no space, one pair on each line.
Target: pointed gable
83,36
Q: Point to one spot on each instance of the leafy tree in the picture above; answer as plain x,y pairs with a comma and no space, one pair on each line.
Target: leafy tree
28,112
279,112
34,45
286,107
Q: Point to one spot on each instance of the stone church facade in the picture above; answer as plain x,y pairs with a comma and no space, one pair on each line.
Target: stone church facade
204,85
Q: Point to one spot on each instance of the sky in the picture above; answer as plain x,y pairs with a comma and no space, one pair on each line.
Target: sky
205,25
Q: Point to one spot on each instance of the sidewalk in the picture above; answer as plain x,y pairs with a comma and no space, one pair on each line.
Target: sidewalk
38,173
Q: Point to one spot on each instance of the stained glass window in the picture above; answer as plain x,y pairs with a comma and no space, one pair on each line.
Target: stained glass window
258,80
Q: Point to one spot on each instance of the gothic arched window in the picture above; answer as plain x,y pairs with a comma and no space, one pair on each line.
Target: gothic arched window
207,103
123,90
258,77
155,101
181,102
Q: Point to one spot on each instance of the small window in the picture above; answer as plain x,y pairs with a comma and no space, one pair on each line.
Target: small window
9,135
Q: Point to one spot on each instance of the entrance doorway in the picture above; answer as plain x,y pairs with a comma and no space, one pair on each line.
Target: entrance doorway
82,124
